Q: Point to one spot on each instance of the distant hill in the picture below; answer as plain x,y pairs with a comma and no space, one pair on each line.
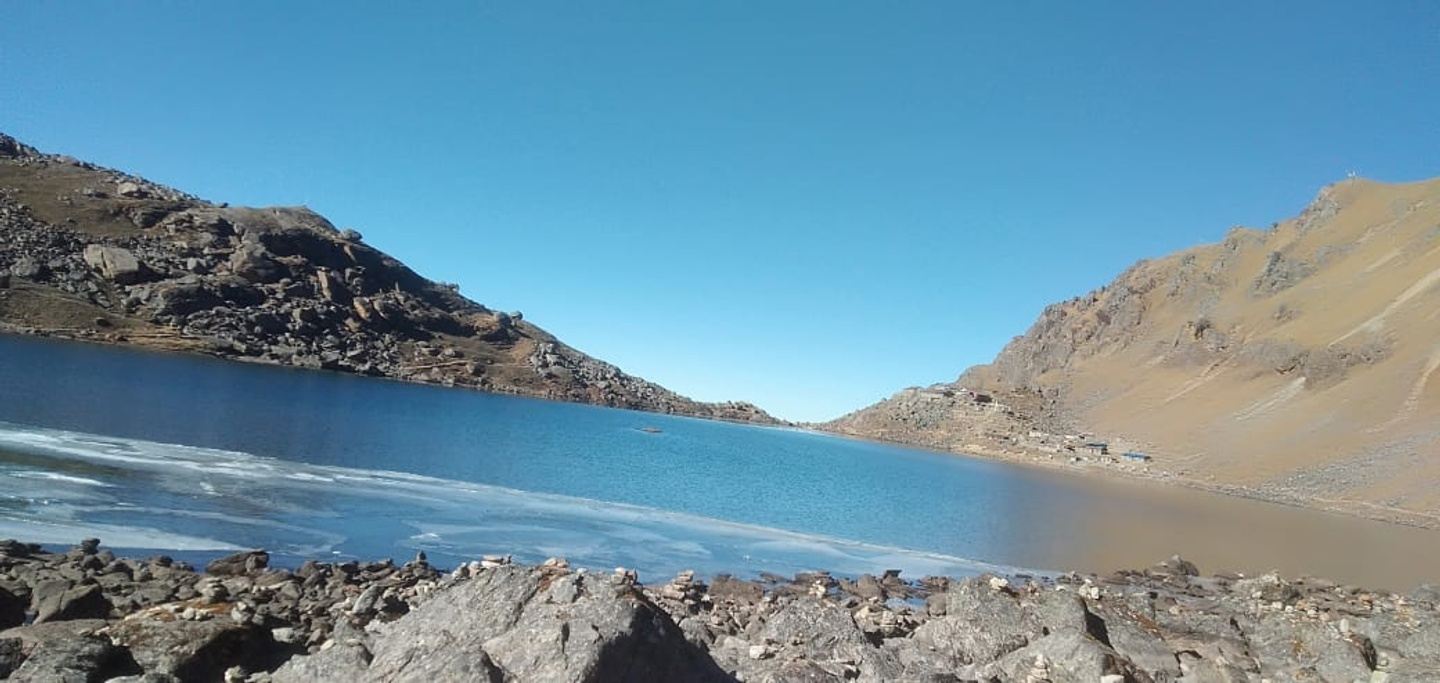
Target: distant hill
92,253
1297,361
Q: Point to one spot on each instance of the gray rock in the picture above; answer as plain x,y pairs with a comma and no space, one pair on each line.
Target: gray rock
27,268
195,650
131,190
1281,272
1179,566
179,298
239,564
1073,657
351,662
115,264
1426,592
57,600
67,652
1287,648
146,678
368,601
12,655
1140,641
253,262
980,625
516,623
729,588
827,637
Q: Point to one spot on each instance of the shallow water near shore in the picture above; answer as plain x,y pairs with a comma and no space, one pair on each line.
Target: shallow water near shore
169,452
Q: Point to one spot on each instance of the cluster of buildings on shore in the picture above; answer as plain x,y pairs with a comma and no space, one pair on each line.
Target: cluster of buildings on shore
1079,448
1083,448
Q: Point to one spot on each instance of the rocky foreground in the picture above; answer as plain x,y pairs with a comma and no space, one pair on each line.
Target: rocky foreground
96,254
86,615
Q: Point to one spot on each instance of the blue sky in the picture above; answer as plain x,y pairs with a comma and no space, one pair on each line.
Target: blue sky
807,205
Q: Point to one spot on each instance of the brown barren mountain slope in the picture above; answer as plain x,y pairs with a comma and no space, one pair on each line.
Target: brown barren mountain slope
1297,363
91,253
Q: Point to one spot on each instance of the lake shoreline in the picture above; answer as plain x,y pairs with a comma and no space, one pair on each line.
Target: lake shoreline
1047,462
167,446
196,347
1042,461
85,611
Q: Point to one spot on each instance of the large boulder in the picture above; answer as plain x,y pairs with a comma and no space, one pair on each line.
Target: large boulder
981,624
1139,640
252,261
194,650
517,623
826,637
1065,657
59,600
181,297
131,190
115,264
27,268
246,562
1287,648
68,652
331,287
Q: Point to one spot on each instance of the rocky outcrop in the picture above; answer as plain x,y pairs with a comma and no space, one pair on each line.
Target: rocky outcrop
1283,363
493,620
115,264
521,624
90,610
92,253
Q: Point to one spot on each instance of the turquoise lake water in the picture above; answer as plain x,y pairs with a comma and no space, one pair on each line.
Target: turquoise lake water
189,454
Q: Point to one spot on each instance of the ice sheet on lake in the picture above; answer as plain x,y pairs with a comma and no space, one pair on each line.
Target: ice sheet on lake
142,494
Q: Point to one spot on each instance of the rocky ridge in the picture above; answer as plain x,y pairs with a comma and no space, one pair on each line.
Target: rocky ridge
87,615
1292,363
96,254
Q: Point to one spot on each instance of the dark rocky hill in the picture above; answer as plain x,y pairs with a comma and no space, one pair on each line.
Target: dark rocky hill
93,253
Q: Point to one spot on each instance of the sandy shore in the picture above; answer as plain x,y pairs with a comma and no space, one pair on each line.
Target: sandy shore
1151,474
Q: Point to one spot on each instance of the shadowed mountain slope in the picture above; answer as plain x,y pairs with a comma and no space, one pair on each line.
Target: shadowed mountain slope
92,253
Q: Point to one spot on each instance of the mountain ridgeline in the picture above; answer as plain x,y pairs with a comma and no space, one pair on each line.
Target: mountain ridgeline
1296,362
95,254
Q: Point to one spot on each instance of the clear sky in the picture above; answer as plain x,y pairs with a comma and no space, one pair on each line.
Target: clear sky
808,205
